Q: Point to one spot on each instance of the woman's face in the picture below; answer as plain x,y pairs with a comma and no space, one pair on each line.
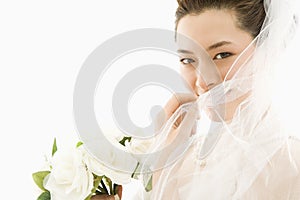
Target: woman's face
216,32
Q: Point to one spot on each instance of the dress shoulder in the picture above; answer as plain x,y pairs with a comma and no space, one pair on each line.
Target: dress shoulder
280,179
293,148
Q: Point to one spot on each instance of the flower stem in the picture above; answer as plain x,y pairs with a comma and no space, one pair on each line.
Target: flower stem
115,189
109,183
96,183
104,187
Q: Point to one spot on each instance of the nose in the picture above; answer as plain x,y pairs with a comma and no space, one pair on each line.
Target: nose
208,74
201,85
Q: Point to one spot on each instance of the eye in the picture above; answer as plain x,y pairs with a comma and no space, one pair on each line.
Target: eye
187,61
222,55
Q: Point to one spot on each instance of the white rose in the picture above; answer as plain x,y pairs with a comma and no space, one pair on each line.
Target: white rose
69,178
140,146
100,169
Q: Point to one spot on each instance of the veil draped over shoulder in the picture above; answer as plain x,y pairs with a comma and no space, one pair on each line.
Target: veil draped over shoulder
255,153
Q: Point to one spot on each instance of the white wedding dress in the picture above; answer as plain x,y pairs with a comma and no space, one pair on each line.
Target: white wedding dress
225,168
229,172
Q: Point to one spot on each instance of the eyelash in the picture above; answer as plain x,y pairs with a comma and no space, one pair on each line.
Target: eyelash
223,55
187,61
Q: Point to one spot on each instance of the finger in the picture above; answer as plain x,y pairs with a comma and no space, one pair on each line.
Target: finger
188,122
178,139
103,197
176,100
119,191
186,128
171,106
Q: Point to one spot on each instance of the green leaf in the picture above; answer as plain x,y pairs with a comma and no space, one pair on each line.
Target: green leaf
39,177
97,180
149,185
98,192
79,144
44,196
54,147
101,190
104,186
109,183
134,173
115,188
94,191
122,142
88,197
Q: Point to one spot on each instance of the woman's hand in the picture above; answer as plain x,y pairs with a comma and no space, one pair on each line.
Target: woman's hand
171,106
110,197
187,123
103,197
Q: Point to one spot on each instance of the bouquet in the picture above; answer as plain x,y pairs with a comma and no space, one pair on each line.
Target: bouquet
75,175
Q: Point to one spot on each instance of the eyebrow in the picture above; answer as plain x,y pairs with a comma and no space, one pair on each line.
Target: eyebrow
211,47
184,51
218,44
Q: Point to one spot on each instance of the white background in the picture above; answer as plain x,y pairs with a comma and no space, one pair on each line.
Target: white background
42,46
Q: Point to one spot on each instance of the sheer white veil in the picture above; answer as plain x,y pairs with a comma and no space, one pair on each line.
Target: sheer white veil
261,123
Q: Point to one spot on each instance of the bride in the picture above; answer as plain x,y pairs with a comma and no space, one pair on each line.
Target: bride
229,52
229,59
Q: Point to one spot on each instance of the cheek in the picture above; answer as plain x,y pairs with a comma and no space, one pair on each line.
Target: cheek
226,68
190,76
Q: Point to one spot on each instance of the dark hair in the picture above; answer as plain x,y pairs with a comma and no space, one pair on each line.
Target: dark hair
250,14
